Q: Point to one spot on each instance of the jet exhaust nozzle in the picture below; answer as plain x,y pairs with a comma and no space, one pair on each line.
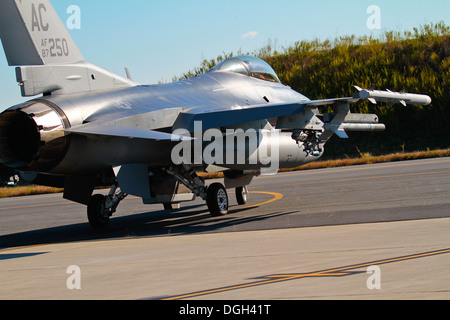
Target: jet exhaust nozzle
32,137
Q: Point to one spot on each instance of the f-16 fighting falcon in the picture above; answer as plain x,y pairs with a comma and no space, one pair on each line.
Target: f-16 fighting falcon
87,127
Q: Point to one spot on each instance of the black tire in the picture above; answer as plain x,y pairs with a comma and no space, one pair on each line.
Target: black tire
217,200
241,195
98,216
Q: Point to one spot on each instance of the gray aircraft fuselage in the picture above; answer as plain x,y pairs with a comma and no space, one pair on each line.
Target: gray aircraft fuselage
150,107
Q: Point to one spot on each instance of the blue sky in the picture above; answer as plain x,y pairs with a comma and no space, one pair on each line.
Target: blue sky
157,40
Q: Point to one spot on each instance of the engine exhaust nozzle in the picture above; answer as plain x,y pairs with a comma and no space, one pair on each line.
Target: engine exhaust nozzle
32,137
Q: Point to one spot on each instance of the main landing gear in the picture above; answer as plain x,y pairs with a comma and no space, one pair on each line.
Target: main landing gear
101,208
241,195
217,199
215,195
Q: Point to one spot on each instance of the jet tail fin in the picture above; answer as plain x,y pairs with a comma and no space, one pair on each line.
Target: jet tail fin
49,62
33,34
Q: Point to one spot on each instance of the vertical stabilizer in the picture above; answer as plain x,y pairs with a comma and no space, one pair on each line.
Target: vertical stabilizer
35,39
33,34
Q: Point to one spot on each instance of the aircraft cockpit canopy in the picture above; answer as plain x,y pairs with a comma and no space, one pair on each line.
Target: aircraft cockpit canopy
249,66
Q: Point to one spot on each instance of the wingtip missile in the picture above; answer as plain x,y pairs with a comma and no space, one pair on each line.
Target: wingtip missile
388,96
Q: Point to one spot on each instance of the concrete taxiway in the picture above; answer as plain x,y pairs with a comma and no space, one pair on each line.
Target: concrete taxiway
303,235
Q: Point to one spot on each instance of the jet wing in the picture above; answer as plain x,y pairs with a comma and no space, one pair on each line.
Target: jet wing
216,118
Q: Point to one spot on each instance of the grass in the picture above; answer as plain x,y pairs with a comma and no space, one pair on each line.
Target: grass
19,191
363,159
369,159
8,192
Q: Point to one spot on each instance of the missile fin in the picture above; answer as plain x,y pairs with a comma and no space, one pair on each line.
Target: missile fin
340,133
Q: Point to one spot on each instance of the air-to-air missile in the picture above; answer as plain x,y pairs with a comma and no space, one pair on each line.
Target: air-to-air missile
388,96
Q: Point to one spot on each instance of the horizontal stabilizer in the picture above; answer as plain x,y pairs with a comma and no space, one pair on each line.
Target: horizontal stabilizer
124,132
69,78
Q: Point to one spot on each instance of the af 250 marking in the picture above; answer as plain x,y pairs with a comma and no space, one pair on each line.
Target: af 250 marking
55,47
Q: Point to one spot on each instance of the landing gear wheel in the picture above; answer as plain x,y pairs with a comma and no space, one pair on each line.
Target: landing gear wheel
217,200
241,195
98,215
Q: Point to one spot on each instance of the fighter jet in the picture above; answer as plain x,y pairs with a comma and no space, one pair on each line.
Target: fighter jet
87,127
